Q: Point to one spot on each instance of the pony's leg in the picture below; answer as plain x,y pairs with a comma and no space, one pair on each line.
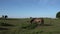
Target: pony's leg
42,22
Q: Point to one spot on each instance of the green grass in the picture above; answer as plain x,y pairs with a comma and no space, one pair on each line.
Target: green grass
21,26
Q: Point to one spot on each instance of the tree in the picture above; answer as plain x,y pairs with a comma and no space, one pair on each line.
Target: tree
3,16
6,16
58,15
30,17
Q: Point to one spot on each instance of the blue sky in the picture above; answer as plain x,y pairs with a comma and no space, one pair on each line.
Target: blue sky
29,8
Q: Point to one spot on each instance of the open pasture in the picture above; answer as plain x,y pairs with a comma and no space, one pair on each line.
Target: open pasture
23,26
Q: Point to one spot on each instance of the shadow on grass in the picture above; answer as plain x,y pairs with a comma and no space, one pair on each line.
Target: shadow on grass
46,25
38,32
4,28
5,24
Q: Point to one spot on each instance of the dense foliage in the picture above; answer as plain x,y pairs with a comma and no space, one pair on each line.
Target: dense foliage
58,15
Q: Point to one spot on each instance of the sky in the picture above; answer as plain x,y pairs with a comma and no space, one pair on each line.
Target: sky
29,8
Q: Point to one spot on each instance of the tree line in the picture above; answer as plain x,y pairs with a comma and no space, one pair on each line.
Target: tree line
57,16
4,17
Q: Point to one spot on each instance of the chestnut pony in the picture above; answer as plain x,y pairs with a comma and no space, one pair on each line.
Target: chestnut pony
37,20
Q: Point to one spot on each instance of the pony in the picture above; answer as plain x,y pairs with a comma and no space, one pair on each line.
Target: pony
37,21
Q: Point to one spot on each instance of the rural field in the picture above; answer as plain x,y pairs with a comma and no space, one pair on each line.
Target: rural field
23,26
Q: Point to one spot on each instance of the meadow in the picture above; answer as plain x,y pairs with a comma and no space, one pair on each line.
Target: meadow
23,26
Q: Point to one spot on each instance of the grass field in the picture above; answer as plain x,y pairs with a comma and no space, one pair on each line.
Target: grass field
21,26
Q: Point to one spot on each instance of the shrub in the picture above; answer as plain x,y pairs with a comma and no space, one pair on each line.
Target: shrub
58,15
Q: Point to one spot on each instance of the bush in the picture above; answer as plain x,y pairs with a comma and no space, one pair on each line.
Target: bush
58,15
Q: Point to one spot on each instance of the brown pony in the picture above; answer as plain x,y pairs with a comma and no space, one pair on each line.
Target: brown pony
37,21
